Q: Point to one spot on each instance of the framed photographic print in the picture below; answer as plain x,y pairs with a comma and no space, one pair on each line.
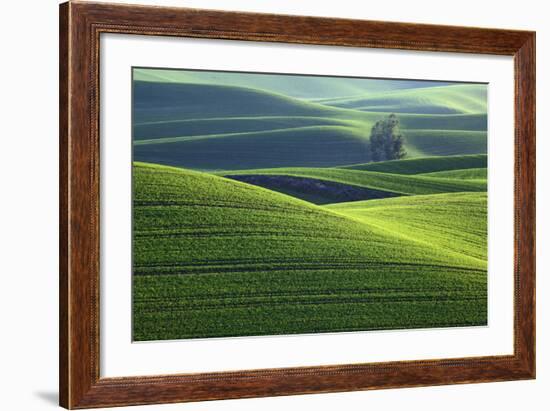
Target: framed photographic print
257,205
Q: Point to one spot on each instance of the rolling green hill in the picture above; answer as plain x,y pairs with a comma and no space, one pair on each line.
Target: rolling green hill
292,85
453,122
393,183
214,127
230,125
428,218
157,102
179,125
420,143
169,101
466,174
449,99
327,145
424,165
314,190
308,146
217,257
273,220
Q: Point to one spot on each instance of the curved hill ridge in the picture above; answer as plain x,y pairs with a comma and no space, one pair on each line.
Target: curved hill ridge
337,130
314,190
285,130
157,101
424,164
178,189
308,146
450,99
335,145
226,258
393,183
228,125
463,174
428,218
309,87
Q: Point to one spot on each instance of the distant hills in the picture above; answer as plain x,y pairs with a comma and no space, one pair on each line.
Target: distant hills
308,87
182,118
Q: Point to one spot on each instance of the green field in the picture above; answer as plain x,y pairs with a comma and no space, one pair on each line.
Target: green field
396,183
425,164
258,211
479,174
309,87
453,99
285,265
197,125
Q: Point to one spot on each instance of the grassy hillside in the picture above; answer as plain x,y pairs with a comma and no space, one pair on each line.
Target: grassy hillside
275,222
424,165
420,143
229,125
319,146
313,190
428,218
394,183
292,85
455,99
217,257
218,126
180,125
156,102
336,143
467,174
454,122
168,101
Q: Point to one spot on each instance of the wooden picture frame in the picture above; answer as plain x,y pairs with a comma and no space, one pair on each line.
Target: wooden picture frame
80,27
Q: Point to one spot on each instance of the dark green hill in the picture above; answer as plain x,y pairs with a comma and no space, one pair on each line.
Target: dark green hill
169,101
398,184
449,99
215,127
290,85
424,165
321,146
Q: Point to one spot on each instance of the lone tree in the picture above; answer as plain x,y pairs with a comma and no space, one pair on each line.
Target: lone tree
386,142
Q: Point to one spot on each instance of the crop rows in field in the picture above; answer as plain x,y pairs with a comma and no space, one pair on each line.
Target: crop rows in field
211,252
264,214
